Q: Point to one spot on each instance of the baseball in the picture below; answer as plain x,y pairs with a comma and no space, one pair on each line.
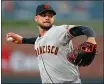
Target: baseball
10,39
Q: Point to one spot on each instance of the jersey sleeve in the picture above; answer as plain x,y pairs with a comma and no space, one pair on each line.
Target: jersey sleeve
68,28
81,30
63,34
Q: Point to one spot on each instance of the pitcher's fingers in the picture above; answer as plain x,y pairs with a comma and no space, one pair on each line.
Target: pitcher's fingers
9,34
15,41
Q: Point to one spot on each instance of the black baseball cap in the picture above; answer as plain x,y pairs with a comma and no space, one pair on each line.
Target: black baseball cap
44,7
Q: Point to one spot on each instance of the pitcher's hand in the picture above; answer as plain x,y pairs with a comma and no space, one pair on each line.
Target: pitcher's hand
16,38
91,40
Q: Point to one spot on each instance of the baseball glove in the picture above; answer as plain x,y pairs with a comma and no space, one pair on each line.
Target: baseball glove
84,55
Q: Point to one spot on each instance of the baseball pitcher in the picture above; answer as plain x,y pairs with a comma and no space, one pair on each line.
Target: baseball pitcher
58,61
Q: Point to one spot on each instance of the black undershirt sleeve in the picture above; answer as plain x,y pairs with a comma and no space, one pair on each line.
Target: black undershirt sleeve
29,40
80,30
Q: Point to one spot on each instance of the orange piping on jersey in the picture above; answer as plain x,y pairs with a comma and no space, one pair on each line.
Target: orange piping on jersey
68,31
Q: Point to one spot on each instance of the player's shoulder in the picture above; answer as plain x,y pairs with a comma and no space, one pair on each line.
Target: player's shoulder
59,26
64,26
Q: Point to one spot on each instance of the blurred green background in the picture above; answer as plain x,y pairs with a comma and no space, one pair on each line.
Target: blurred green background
19,64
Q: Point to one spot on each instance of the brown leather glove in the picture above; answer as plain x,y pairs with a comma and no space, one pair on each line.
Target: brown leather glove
84,55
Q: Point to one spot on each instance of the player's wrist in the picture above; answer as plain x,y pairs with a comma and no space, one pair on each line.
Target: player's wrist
91,40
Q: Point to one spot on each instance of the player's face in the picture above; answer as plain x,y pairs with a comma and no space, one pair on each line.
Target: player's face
45,20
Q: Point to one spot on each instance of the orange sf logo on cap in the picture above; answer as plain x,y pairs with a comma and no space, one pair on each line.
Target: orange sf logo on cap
46,6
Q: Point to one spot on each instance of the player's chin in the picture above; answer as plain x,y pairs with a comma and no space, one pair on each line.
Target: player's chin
46,27
47,24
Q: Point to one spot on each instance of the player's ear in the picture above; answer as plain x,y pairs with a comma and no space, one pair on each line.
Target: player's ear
35,18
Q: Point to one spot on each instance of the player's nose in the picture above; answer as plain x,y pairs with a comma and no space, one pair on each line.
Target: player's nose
47,17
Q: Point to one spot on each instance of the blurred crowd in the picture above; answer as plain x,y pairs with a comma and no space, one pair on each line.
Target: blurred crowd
73,10
17,61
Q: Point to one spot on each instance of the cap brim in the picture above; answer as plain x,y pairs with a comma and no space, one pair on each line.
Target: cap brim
46,11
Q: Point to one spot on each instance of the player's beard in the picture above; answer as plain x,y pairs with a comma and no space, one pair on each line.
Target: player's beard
45,27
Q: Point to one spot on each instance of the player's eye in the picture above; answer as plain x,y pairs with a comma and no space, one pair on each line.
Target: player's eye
51,15
43,15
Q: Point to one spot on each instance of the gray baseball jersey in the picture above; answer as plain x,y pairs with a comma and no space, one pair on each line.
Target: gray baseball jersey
52,50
